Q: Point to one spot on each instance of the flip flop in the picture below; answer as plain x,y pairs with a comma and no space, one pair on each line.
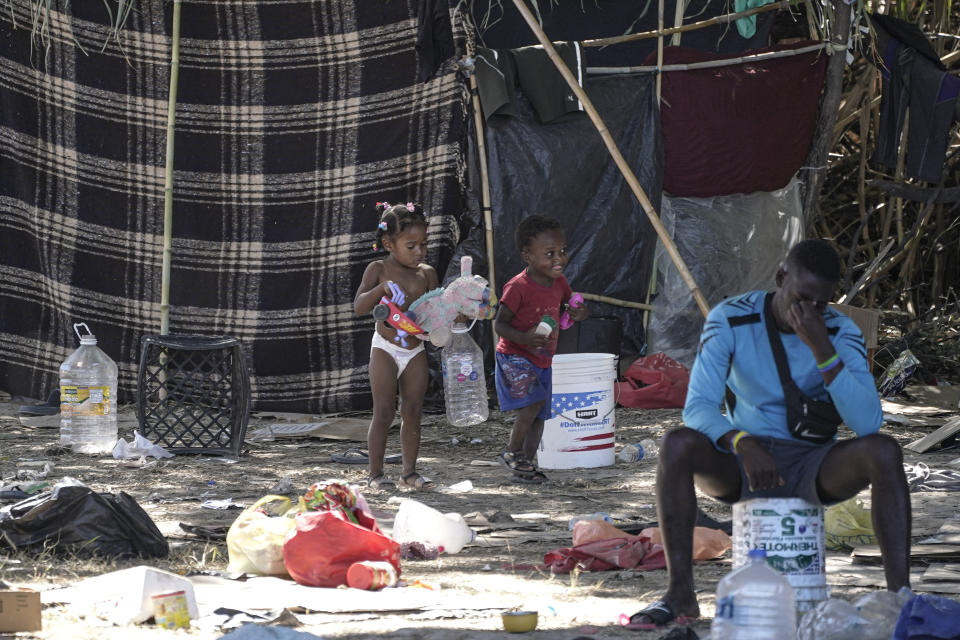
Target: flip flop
517,462
381,482
417,482
50,408
360,456
661,615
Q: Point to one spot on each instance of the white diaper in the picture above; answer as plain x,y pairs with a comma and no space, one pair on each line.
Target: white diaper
400,355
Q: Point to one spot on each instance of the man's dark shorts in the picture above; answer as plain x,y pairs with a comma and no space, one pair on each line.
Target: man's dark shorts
798,463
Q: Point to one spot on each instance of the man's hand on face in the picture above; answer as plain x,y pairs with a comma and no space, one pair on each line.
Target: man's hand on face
758,465
806,319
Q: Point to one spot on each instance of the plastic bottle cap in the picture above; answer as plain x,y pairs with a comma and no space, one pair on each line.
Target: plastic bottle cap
757,553
459,328
88,341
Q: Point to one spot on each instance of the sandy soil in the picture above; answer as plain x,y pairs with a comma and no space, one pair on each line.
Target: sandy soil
484,579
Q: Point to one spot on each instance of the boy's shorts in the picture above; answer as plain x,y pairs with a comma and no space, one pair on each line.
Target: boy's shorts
520,383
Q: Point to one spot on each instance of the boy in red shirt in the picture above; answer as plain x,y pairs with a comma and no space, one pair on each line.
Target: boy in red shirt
524,356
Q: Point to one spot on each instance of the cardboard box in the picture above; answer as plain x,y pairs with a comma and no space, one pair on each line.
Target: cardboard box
19,611
867,319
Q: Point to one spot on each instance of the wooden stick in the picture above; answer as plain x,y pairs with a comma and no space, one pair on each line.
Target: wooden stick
168,173
484,192
679,9
617,302
915,193
660,46
618,158
729,17
709,64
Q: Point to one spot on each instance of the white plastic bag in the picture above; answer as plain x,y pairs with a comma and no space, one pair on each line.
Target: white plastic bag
255,539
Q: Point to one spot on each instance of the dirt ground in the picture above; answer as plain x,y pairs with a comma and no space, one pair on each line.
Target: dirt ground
484,579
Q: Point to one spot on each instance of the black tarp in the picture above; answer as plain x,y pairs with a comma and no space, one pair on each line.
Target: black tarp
564,170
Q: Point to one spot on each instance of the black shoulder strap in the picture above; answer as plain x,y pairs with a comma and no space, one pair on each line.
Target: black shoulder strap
776,345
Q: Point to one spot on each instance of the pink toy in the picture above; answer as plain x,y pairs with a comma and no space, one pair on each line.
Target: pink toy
565,320
436,310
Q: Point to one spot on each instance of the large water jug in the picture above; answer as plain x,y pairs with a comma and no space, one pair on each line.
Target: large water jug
416,522
88,397
754,602
464,385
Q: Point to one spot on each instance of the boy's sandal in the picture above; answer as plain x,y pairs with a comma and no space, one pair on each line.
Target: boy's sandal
418,482
660,614
517,462
380,482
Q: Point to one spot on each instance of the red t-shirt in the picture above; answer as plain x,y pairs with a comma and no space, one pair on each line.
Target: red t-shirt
529,302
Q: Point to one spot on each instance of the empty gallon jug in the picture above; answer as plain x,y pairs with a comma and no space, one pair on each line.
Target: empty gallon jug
464,385
754,602
88,397
416,522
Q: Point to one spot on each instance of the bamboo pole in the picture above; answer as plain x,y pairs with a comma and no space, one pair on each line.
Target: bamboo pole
484,191
709,64
617,302
659,48
729,17
680,8
168,173
618,158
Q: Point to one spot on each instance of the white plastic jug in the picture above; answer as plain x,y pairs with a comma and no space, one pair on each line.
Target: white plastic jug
754,602
416,522
88,397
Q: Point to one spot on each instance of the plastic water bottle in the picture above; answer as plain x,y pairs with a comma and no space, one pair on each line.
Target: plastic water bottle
642,450
88,397
416,522
599,515
464,385
754,602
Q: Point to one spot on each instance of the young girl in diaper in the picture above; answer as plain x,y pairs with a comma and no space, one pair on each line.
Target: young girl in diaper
397,362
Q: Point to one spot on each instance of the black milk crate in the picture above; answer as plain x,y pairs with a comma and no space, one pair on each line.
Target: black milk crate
193,393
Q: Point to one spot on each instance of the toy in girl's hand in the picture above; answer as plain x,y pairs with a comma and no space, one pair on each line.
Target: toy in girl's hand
388,311
436,310
574,303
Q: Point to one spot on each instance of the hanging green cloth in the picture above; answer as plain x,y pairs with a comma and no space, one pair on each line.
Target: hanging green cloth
748,26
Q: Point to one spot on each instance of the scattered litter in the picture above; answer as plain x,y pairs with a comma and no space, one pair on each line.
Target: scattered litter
32,471
220,505
419,551
484,463
896,376
283,487
253,631
454,440
476,441
464,486
486,567
140,448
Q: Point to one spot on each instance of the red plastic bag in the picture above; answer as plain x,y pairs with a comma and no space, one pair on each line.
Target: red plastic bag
323,545
654,382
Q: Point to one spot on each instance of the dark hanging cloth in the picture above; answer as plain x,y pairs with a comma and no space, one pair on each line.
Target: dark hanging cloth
496,82
542,84
434,37
739,128
913,77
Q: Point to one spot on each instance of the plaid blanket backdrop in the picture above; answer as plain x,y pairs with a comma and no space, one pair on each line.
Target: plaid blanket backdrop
293,119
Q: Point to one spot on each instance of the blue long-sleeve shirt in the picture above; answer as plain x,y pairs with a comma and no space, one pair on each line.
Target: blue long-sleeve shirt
735,352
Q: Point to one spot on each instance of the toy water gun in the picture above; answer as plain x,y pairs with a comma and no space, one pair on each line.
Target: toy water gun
388,311
574,303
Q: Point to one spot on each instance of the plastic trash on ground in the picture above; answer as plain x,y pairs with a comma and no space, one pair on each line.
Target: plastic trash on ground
898,373
416,522
126,596
707,543
870,618
139,448
847,525
255,539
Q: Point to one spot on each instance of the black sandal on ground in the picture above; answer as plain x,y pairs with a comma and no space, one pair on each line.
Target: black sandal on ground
417,482
381,482
659,613
517,462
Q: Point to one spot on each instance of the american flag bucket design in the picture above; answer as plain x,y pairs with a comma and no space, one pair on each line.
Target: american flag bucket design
581,431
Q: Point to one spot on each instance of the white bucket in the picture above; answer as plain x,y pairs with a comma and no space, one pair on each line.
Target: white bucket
580,433
791,532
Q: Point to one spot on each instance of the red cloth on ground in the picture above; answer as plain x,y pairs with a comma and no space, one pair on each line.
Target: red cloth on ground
656,381
634,552
738,128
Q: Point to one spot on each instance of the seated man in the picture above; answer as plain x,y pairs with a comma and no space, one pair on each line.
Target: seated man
752,450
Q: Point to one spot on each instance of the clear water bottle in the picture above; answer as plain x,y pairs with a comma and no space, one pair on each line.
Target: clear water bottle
416,522
464,386
643,450
598,515
88,397
754,602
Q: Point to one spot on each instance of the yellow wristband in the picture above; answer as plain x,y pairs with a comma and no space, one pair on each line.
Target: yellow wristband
736,439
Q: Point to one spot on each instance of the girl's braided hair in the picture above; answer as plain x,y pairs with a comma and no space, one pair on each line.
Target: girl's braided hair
395,219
